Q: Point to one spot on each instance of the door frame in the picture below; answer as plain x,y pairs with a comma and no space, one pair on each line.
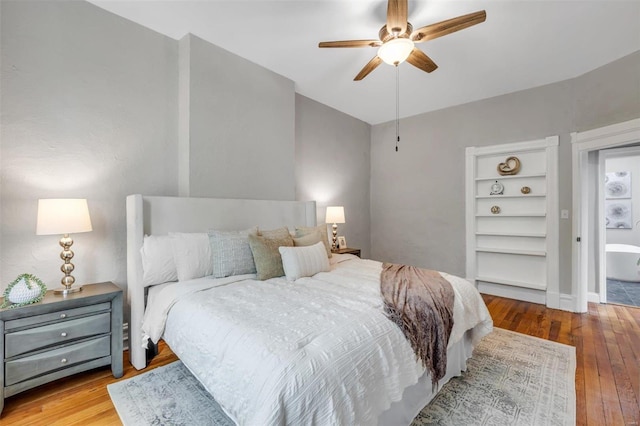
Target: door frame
581,144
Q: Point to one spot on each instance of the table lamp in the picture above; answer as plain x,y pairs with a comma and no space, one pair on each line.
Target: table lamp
335,215
64,216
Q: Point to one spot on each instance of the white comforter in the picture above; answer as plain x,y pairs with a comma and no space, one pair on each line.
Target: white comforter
317,351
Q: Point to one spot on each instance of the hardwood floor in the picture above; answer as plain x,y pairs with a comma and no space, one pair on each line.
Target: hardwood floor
77,400
607,341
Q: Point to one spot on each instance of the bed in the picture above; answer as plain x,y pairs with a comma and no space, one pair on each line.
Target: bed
317,350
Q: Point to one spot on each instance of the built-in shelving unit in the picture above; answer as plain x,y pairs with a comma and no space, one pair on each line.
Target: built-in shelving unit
512,237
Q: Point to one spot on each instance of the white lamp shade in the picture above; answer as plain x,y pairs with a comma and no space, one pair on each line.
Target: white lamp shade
335,214
63,216
395,51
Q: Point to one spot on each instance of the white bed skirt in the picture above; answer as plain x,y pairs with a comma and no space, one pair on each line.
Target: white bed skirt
416,397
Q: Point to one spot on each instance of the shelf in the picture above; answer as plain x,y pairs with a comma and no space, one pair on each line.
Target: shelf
514,234
512,282
511,215
535,175
512,196
541,253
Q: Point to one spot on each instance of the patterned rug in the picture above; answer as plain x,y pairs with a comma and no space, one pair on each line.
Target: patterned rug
512,379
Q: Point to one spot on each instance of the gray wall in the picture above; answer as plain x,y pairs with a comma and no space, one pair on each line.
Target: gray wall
241,126
417,207
98,107
332,166
607,95
89,109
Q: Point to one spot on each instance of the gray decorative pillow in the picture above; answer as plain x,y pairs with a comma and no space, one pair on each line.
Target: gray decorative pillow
265,252
231,252
301,231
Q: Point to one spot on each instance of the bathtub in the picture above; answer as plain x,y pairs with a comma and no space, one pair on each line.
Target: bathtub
622,262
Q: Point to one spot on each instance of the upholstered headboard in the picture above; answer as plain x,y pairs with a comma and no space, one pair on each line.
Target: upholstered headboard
161,215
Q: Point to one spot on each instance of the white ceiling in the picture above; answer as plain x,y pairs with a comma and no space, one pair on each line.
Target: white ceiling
522,44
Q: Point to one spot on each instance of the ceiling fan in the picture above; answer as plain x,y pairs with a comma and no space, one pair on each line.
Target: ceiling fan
397,38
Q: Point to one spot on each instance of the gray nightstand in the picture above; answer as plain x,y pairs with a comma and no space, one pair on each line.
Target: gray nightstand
60,336
347,250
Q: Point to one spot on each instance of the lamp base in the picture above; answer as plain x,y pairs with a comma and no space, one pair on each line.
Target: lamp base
64,290
67,268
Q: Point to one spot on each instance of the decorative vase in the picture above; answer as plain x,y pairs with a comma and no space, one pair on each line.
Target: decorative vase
21,293
25,289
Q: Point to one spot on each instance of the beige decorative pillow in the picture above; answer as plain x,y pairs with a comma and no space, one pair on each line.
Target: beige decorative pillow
307,240
302,231
275,233
265,252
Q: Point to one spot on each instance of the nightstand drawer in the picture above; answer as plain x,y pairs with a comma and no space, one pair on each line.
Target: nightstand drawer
19,342
35,365
55,316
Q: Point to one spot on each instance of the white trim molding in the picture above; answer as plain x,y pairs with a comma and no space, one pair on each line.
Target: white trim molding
593,297
581,144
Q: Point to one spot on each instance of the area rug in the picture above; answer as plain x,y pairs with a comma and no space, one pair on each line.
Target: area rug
512,379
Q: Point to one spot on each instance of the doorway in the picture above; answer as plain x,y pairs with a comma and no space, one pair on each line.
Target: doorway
588,260
619,225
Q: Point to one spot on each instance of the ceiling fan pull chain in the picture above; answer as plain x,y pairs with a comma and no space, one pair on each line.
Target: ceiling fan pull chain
397,106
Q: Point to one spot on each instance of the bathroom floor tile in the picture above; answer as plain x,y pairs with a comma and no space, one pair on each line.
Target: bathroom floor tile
623,292
617,298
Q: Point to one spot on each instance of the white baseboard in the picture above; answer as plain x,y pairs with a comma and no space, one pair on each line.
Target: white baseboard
563,302
593,297
511,292
554,300
567,303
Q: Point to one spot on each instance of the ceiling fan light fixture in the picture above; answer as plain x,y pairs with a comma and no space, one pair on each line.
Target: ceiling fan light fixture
396,50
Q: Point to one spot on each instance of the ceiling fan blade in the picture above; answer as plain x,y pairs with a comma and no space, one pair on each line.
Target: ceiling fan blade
397,17
419,59
368,68
449,26
350,43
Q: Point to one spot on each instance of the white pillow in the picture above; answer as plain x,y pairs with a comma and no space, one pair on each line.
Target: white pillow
231,253
157,260
192,255
306,261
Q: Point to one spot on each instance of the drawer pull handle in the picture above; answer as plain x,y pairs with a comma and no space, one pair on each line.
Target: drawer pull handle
63,334
63,360
63,315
